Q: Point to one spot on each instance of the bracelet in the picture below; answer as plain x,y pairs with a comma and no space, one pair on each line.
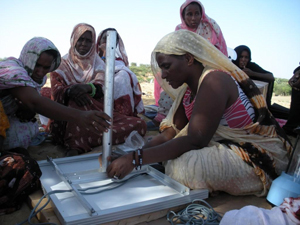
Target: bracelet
103,57
93,89
133,160
140,156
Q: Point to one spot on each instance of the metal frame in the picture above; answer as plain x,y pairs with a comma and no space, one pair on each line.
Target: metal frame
109,93
151,192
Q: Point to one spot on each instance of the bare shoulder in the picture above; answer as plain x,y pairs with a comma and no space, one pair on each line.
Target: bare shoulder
217,79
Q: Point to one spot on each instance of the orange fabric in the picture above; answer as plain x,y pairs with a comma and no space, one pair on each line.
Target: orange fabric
4,123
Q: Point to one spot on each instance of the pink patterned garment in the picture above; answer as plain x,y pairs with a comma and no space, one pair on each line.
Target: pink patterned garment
208,28
80,69
17,73
236,115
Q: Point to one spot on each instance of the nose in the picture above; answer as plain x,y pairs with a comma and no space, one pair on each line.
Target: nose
163,75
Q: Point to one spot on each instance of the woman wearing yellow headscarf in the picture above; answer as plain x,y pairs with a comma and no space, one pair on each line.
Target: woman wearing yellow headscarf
218,135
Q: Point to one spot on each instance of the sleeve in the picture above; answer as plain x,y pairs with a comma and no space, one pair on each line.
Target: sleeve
256,68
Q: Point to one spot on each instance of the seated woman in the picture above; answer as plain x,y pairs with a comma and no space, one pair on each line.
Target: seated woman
127,89
20,82
77,83
255,72
222,139
193,18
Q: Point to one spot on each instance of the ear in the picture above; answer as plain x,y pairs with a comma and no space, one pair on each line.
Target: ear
190,58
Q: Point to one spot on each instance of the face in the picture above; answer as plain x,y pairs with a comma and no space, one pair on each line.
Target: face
84,43
244,59
173,69
192,15
42,67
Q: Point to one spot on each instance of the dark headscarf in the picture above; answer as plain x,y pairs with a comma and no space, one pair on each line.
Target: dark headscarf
251,65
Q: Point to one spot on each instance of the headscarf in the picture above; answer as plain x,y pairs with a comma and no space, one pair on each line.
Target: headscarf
239,49
120,49
17,72
263,136
208,28
76,68
182,41
122,64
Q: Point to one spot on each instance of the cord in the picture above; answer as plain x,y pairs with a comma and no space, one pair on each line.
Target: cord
195,214
33,213
109,186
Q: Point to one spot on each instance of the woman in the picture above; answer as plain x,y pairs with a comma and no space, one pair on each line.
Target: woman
127,90
20,82
193,18
222,139
254,71
78,83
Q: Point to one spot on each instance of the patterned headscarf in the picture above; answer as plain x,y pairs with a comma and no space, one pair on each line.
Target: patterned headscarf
120,50
17,72
208,28
76,68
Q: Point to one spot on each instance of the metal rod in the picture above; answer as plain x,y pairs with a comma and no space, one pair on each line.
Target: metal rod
109,94
69,184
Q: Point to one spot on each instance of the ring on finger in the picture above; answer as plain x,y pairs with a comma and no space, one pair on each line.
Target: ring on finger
115,177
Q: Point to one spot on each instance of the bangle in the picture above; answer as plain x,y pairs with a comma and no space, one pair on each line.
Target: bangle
140,157
133,160
93,89
103,57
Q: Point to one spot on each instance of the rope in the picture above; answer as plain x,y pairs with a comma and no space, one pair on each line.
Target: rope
195,214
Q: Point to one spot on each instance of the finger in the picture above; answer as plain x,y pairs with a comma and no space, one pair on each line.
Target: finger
86,100
103,115
99,127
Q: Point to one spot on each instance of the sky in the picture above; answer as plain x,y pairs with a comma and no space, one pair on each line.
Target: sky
270,28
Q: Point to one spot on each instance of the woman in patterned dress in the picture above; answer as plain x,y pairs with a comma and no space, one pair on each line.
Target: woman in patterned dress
78,83
20,82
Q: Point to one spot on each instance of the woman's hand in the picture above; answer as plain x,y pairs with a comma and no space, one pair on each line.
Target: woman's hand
78,93
248,71
94,120
120,167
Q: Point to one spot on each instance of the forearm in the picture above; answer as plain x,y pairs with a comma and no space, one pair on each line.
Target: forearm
268,77
169,150
36,103
163,137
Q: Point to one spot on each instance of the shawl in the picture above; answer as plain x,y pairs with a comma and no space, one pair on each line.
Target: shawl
208,28
82,69
251,65
263,136
17,72
121,63
120,50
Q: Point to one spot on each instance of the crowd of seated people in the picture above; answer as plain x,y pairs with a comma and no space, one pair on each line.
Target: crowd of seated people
233,144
